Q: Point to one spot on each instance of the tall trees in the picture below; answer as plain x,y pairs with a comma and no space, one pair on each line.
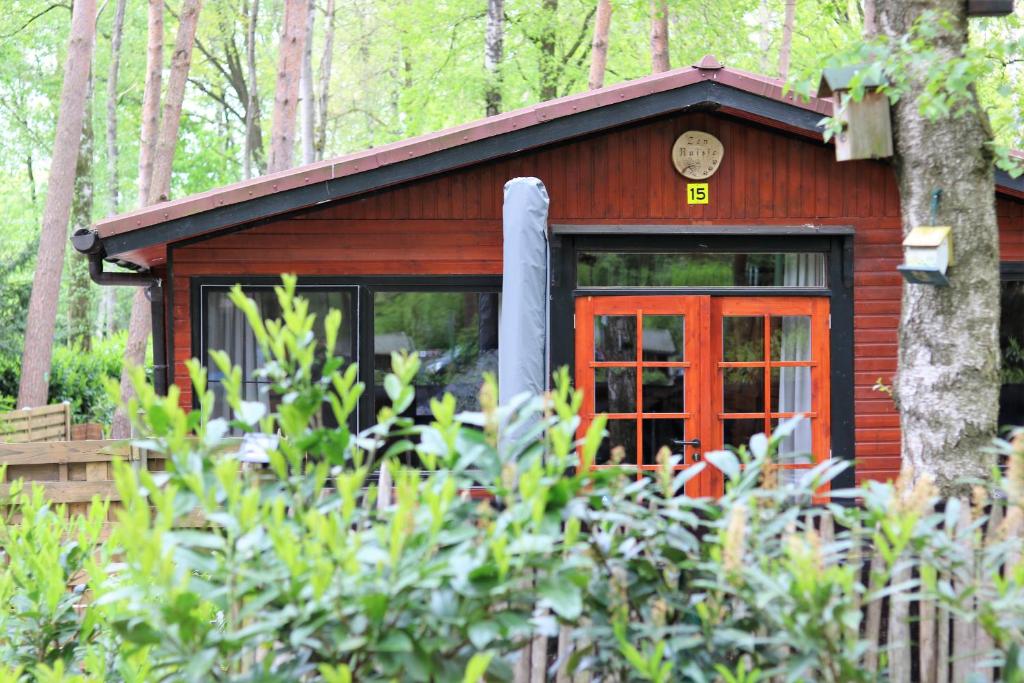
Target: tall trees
42,308
599,46
286,91
105,314
947,386
786,48
156,155
78,285
659,36
253,140
494,40
326,61
308,117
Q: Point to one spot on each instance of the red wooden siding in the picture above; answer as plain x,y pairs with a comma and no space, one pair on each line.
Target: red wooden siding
452,224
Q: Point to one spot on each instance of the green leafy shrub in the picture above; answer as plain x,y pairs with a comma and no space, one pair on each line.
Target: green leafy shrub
76,376
338,563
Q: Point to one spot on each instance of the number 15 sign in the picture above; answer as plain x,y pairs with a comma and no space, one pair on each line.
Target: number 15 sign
697,193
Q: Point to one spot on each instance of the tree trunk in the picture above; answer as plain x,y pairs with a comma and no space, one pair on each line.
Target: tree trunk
151,98
306,89
947,386
599,47
170,119
786,48
659,37
42,307
158,190
870,25
549,66
286,91
494,41
326,60
108,295
252,103
79,285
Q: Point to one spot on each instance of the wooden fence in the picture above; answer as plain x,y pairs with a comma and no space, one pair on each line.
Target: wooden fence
71,472
46,423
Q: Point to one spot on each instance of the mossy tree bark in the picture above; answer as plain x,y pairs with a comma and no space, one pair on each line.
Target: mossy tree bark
947,386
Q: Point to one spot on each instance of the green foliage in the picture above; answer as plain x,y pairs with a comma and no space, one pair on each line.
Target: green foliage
77,377
338,563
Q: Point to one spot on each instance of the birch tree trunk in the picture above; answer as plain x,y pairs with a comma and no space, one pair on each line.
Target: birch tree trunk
108,295
786,48
326,60
947,386
252,114
78,295
549,67
599,46
306,88
659,36
158,190
286,91
42,306
870,25
494,47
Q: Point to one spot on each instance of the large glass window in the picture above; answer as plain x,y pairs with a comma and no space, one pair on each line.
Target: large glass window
454,334
226,329
1011,342
687,269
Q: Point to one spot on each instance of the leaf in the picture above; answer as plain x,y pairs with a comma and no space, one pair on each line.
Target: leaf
482,632
250,412
563,596
477,666
726,461
395,641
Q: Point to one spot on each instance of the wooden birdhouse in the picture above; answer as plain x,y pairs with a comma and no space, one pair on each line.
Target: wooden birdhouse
928,254
989,8
866,126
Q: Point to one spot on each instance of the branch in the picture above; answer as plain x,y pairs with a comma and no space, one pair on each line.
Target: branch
218,98
33,18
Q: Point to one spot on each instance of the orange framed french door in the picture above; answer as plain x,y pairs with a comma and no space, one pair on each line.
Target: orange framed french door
697,373
640,361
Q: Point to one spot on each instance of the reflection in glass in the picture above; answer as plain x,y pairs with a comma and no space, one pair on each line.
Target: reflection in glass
1011,343
742,338
664,339
615,390
454,334
621,435
615,338
662,433
664,390
791,337
737,433
616,269
791,390
743,390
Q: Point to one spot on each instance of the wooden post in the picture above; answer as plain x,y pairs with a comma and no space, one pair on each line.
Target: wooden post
963,631
564,650
873,622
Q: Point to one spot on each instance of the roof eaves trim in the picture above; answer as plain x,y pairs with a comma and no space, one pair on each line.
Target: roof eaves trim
391,165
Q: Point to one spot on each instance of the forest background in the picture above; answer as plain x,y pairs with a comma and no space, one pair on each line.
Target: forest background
376,71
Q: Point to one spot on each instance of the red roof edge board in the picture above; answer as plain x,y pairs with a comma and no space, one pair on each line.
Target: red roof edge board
708,69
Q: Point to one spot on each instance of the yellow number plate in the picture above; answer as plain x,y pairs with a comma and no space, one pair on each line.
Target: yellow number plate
697,193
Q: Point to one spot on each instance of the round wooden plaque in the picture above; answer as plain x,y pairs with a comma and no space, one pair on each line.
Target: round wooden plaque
697,154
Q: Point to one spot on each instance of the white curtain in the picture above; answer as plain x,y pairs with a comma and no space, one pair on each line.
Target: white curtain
799,270
229,331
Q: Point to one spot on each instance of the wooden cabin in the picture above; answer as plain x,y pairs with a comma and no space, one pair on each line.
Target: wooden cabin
695,311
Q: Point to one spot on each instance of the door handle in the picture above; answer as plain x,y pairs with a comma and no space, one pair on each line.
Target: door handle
693,442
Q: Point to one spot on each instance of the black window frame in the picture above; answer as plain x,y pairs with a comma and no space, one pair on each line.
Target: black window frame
1009,271
365,287
836,242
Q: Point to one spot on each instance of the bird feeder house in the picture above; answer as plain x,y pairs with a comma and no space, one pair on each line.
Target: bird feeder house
866,126
989,8
928,253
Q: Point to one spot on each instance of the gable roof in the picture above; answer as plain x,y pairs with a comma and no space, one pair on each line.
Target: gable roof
139,238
